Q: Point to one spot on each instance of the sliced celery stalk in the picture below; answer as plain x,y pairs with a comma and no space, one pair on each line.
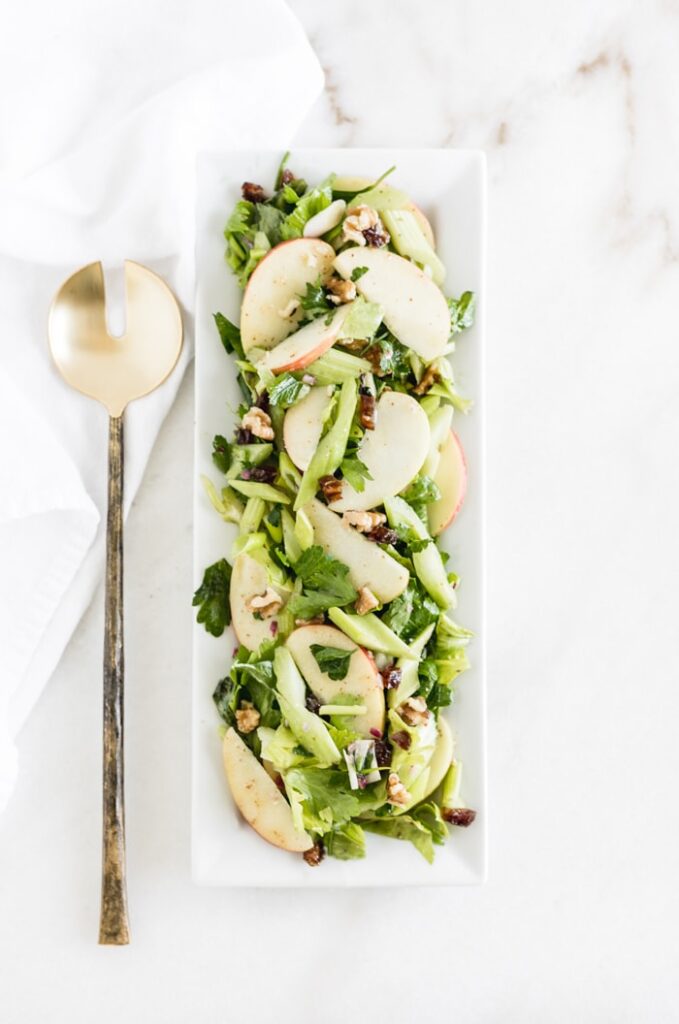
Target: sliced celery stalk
335,367
428,563
371,632
292,547
408,240
309,730
255,489
252,517
304,531
342,709
332,446
439,425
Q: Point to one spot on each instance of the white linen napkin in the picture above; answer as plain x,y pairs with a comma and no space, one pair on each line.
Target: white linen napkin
102,111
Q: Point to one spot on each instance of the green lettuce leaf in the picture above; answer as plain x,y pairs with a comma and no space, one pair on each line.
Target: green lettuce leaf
346,843
423,827
332,660
308,205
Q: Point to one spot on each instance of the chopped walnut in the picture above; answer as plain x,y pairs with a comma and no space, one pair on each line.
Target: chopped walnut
315,855
317,620
414,711
331,487
363,226
397,794
383,535
366,601
253,193
391,677
266,604
364,521
289,311
287,176
258,423
430,377
460,816
353,344
247,717
340,290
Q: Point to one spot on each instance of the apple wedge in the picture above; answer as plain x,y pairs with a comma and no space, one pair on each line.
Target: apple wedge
415,309
393,452
369,566
249,578
303,425
306,344
259,799
280,277
353,183
362,680
451,480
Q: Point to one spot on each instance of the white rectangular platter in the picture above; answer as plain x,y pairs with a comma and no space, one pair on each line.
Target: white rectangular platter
449,185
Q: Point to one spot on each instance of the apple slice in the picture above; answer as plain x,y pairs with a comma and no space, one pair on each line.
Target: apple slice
393,452
451,480
248,578
369,566
415,309
306,344
259,799
352,184
279,277
303,425
361,681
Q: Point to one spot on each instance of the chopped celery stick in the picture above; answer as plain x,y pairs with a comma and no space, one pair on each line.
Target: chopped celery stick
331,448
439,425
335,367
247,455
371,632
252,517
342,709
304,531
291,545
428,563
409,241
254,489
310,730
228,505
289,473
430,403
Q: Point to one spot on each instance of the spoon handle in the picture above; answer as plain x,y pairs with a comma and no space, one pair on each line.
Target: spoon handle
113,927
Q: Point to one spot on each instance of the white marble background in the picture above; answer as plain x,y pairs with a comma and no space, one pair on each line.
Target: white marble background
577,107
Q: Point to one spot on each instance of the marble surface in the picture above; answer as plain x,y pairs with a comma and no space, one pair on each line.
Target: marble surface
576,107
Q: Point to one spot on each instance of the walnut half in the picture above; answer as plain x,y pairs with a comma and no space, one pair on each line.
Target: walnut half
397,794
265,605
414,711
364,522
247,717
366,601
258,423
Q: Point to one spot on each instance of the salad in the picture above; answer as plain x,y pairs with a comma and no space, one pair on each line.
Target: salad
341,474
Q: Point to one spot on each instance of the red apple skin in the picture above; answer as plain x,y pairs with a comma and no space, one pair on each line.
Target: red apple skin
462,492
307,358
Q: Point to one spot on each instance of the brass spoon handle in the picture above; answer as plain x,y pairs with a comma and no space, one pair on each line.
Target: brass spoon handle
113,927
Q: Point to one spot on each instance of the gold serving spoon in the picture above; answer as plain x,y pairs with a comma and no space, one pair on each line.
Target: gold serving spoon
115,371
